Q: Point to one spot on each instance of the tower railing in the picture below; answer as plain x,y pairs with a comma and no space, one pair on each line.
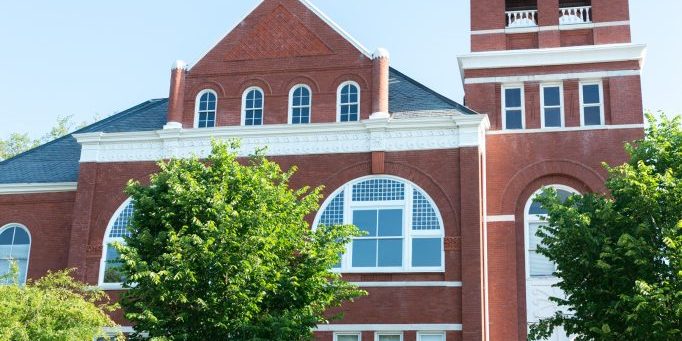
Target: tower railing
575,15
525,18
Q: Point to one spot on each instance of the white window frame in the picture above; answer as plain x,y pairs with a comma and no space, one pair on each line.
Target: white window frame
561,103
506,87
292,107
30,243
599,83
534,218
338,101
434,333
246,92
197,103
337,334
408,234
378,334
105,242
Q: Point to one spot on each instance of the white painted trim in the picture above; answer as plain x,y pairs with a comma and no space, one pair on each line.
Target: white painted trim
389,327
602,119
197,103
551,28
403,284
429,133
562,114
500,218
430,333
552,56
553,77
105,242
338,100
566,129
34,188
244,94
505,87
291,103
30,243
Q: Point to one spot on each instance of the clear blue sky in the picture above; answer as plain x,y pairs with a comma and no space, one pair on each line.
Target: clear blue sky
84,58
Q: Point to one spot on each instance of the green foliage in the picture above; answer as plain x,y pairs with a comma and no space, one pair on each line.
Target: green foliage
619,257
53,308
221,250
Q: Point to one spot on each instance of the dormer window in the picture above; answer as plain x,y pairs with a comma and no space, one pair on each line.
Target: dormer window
252,104
300,104
348,102
205,112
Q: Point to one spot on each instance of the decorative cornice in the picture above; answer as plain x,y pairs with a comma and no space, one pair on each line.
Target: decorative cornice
32,188
320,138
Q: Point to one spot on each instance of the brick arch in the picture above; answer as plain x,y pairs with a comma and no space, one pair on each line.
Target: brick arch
560,169
113,202
313,84
259,82
207,85
364,84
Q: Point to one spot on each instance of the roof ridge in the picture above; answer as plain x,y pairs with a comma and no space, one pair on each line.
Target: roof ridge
446,99
103,121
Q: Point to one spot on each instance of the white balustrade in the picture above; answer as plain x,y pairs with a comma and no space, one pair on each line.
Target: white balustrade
575,15
516,19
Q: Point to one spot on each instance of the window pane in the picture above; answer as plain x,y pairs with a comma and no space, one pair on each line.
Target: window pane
533,239
6,236
111,267
426,252
514,120
431,337
512,98
366,220
364,253
390,252
592,116
552,96
591,94
390,223
347,338
553,117
389,338
540,265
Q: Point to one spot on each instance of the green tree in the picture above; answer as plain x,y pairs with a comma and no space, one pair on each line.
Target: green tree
619,257
221,250
53,308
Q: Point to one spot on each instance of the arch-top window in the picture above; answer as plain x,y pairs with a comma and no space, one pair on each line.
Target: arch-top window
404,231
15,246
109,274
349,102
252,104
206,107
299,105
539,265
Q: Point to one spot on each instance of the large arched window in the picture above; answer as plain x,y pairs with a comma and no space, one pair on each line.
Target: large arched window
206,107
252,107
348,106
15,246
109,274
404,228
300,104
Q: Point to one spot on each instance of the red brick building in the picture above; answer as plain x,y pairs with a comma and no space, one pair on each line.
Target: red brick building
445,191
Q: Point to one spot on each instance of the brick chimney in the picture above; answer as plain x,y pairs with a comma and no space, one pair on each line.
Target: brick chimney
176,96
380,71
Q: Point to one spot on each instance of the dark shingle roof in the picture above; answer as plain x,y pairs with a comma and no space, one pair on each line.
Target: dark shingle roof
57,161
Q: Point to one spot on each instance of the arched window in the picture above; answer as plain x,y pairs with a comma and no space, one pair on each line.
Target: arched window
252,104
109,275
404,228
15,246
348,108
299,104
206,107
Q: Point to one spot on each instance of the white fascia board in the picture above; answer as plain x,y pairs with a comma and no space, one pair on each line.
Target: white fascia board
34,188
553,56
283,139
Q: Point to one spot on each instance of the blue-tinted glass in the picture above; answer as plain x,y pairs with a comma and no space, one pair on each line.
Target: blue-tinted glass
552,96
21,237
592,116
364,252
536,207
353,117
345,109
112,273
514,120
354,109
512,98
258,96
353,97
390,252
6,236
591,94
296,101
366,220
390,223
426,252
203,106
553,117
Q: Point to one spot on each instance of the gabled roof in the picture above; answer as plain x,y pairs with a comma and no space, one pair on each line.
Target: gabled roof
58,160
